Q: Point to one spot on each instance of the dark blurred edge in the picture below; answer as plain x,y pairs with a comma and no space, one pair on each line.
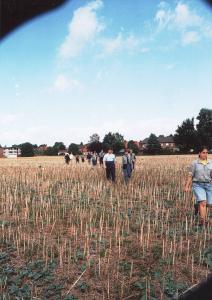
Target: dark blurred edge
14,13
201,291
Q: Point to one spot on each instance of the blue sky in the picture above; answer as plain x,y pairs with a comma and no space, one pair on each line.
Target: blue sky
99,66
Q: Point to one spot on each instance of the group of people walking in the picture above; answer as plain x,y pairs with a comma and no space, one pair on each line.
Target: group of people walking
128,164
199,174
108,161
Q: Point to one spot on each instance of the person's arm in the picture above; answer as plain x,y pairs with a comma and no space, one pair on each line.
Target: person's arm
188,183
190,177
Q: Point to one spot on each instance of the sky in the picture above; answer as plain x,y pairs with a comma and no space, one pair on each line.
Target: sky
134,67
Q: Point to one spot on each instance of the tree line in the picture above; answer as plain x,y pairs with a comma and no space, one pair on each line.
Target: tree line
188,137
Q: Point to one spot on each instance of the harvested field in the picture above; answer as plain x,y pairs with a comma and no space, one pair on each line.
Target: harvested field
67,233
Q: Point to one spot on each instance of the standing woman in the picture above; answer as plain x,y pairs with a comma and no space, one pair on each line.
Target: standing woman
67,158
200,176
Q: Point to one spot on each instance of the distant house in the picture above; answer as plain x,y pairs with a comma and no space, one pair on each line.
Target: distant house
42,148
62,152
84,149
10,152
138,144
166,142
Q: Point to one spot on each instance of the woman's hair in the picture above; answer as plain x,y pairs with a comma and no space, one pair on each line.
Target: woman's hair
201,148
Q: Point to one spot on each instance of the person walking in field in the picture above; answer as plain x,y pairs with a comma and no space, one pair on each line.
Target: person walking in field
94,159
82,158
126,166
101,156
200,177
133,159
89,155
71,156
67,158
109,161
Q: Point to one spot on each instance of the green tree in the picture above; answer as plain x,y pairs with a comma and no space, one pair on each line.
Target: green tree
74,149
204,127
186,136
133,146
153,145
59,146
27,149
94,138
51,151
40,150
113,140
95,147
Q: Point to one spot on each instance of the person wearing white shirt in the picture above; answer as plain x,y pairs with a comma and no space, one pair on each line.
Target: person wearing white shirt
109,164
71,156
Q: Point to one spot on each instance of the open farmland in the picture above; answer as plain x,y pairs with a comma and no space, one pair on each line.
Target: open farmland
66,233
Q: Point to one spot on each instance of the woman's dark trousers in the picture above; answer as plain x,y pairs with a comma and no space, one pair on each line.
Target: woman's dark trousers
110,170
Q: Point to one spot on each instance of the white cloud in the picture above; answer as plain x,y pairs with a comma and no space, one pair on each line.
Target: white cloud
120,43
184,17
183,20
82,29
190,37
163,18
181,17
62,83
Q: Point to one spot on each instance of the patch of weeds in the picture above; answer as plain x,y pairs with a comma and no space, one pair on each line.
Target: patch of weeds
186,271
146,292
124,266
78,255
83,267
207,257
53,289
83,286
70,297
172,288
17,282
156,252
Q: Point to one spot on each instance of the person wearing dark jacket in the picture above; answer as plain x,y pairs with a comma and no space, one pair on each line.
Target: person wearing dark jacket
126,166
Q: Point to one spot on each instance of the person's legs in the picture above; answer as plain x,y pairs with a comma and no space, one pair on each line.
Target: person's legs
107,172
202,211
113,175
125,173
196,209
129,170
201,198
209,198
208,188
